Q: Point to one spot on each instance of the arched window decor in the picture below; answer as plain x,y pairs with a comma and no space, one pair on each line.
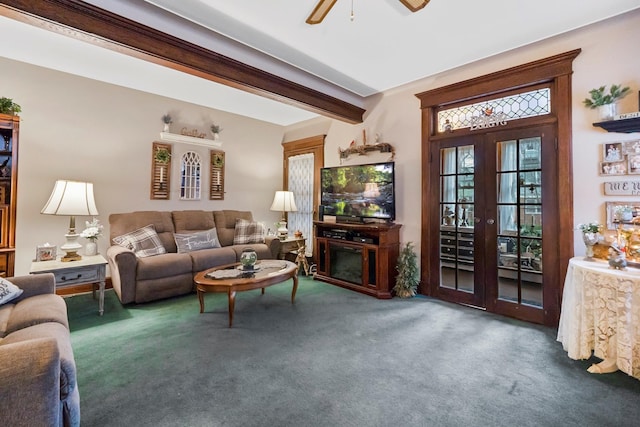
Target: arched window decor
190,171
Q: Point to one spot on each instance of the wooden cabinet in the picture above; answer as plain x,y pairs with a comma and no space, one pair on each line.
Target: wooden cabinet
360,257
9,129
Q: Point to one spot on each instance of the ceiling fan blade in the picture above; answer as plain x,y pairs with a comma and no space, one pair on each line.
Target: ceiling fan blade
320,11
414,5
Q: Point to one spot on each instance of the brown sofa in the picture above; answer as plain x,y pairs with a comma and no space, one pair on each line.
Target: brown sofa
138,280
37,369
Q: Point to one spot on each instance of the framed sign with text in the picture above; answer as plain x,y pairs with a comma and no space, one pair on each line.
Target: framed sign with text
622,188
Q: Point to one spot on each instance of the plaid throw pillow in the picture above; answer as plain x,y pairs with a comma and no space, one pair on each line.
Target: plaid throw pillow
248,232
143,242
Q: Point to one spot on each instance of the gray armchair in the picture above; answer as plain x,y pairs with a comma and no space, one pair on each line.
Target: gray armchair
37,369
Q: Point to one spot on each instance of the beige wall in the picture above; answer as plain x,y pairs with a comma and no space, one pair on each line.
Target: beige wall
80,129
76,128
607,57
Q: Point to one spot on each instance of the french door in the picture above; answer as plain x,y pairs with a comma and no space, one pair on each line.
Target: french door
495,191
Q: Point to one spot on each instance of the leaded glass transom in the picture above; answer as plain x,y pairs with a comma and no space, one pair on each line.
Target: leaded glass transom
519,106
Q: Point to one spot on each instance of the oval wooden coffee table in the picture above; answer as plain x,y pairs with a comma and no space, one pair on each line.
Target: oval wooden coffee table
231,279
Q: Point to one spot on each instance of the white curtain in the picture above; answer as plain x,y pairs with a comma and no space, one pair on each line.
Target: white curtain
301,184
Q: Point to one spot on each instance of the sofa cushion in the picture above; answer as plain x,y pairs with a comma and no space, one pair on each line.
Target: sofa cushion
248,232
163,266
208,258
8,291
143,242
196,241
121,223
5,315
190,221
36,310
226,222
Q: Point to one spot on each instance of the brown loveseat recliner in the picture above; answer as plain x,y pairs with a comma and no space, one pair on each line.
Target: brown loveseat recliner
37,369
138,280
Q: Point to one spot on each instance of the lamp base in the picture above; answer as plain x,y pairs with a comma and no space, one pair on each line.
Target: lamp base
71,256
283,233
71,248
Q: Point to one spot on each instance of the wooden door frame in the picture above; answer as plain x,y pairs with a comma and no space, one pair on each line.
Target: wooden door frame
312,145
555,71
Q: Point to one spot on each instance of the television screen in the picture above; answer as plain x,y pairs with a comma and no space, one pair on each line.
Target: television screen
359,191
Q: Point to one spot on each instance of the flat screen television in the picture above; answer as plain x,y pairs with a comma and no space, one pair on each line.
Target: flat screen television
359,192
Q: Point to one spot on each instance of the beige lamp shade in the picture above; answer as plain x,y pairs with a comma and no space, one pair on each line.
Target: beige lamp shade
284,201
71,198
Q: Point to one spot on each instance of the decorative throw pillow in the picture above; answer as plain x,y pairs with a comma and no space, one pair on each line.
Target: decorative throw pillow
8,291
195,241
143,242
248,232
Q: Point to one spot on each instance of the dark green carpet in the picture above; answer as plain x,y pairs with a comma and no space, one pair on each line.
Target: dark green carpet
335,358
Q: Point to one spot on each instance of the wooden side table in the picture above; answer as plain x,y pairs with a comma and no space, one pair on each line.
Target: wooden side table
88,270
290,244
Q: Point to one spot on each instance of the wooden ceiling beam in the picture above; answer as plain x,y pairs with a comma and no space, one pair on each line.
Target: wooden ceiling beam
91,24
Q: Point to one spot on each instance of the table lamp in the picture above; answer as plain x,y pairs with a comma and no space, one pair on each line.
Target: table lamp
283,202
71,198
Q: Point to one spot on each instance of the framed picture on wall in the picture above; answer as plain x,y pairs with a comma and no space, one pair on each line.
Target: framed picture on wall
612,152
631,147
613,168
634,163
613,208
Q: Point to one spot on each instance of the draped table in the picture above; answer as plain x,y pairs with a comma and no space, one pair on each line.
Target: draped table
601,315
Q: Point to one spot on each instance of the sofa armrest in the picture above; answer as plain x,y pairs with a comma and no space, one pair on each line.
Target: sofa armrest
34,284
123,264
273,242
30,382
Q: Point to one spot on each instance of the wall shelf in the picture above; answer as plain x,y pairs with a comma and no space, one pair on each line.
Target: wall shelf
621,126
174,137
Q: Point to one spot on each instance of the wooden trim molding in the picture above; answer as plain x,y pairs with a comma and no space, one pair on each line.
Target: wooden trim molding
92,24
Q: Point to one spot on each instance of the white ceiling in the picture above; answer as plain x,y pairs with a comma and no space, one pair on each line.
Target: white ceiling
384,47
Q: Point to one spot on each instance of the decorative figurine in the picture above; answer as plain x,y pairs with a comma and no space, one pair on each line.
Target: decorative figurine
617,258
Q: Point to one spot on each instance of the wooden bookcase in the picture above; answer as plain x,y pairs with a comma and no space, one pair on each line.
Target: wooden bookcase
9,132
360,257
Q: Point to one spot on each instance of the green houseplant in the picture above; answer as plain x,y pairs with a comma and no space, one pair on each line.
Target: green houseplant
605,101
407,267
7,106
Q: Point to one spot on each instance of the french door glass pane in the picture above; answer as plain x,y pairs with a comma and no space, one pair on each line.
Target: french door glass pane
519,239
457,195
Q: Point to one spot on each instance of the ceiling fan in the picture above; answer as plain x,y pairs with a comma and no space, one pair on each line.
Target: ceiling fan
324,6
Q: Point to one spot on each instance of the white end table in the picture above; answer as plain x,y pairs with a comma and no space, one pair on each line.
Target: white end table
88,270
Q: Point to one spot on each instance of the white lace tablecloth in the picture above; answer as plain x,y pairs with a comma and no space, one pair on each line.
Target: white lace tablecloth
601,314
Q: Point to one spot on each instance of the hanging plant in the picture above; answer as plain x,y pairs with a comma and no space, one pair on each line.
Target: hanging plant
407,267
7,106
162,156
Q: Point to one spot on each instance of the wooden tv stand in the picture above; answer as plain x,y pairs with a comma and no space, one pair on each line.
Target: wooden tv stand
360,257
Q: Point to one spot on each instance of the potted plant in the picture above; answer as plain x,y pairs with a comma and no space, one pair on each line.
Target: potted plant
7,106
166,119
407,267
605,101
216,129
